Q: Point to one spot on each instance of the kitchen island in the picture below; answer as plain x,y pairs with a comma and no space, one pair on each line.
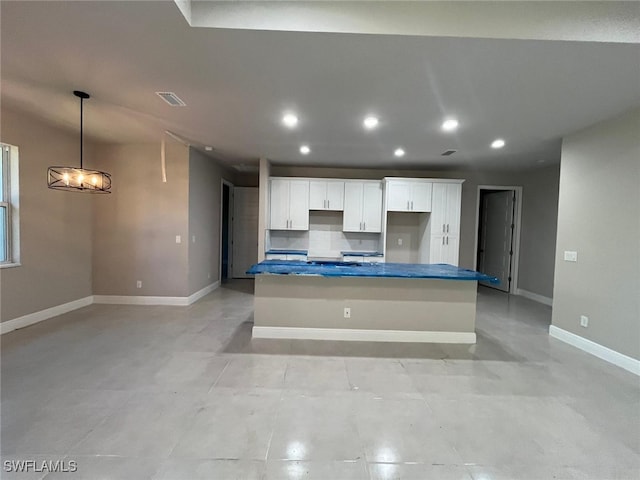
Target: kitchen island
389,302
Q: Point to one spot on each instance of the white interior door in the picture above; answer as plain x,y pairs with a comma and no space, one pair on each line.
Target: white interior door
245,230
496,237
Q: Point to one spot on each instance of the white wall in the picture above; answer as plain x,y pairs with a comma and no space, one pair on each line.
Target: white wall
598,216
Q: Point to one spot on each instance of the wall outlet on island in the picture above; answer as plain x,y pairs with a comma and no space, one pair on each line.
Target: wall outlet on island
584,321
139,284
347,312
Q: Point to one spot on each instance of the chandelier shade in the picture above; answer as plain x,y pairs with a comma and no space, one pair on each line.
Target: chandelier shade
74,179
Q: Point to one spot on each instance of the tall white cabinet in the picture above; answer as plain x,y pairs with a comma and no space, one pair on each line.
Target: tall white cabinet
445,223
362,206
289,204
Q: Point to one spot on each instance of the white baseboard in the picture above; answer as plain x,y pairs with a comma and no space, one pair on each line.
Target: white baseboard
363,335
140,300
193,298
535,297
149,300
45,314
611,356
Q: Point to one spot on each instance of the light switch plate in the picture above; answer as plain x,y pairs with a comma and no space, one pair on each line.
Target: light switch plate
570,256
178,239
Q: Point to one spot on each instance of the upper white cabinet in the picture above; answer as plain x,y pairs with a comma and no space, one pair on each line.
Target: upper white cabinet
289,204
445,223
326,194
362,206
408,195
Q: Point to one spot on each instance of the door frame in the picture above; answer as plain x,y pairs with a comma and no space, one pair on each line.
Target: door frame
516,233
224,182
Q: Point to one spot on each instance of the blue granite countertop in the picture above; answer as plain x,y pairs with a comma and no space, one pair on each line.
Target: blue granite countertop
361,254
355,269
286,252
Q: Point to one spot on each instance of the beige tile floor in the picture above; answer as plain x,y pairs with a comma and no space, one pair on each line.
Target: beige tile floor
132,392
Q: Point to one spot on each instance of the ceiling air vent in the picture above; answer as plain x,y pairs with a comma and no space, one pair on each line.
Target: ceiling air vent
171,98
448,152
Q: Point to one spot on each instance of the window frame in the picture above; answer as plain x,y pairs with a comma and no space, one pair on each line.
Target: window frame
9,201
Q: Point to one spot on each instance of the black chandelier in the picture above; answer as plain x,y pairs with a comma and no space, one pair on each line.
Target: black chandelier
75,179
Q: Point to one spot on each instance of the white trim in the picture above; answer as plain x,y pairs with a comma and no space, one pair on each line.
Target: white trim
45,314
535,297
140,300
363,335
516,234
606,354
194,297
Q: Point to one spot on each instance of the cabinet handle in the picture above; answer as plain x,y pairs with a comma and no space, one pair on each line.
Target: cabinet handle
443,230
443,240
447,228
364,225
447,240
411,204
408,205
328,203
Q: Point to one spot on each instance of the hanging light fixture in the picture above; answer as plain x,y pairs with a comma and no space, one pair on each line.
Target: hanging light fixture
75,179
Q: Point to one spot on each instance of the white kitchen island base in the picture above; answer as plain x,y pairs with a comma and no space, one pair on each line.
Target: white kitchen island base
381,309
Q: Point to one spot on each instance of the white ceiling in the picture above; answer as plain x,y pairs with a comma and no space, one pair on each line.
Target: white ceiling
237,83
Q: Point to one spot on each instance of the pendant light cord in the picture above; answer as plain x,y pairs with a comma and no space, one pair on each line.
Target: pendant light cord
81,131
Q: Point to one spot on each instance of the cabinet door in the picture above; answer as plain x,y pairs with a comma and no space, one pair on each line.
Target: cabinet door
317,195
454,201
372,207
299,204
437,249
452,250
398,196
439,209
335,195
279,204
421,197
352,217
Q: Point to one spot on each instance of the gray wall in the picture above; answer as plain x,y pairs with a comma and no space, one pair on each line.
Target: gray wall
205,177
135,227
55,227
539,226
540,188
598,217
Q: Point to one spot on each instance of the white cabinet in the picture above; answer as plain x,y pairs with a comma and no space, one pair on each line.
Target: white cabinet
361,259
445,223
300,257
408,195
289,204
362,206
326,194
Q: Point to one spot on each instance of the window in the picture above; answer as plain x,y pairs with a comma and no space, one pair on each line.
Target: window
9,235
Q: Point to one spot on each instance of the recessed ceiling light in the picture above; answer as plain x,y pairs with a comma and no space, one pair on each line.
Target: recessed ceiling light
370,122
399,152
497,143
450,124
305,150
290,120
208,149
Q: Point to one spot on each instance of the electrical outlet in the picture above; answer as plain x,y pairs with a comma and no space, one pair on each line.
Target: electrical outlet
193,238
178,239
399,241
347,312
570,256
139,284
209,276
584,321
